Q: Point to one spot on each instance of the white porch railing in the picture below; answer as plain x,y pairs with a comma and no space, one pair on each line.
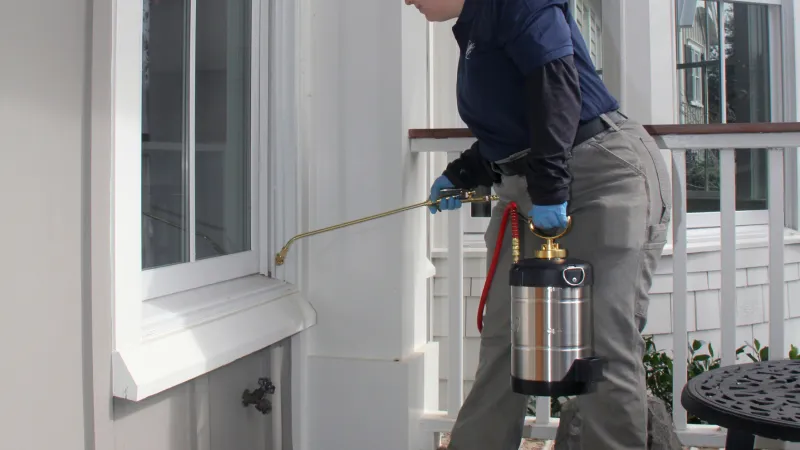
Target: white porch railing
779,140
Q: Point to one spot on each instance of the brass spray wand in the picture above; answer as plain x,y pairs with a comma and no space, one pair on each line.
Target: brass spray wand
463,195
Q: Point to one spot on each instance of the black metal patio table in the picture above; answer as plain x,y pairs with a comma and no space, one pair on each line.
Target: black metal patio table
756,399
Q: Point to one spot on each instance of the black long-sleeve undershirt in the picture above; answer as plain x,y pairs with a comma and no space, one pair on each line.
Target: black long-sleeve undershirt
554,102
470,170
554,109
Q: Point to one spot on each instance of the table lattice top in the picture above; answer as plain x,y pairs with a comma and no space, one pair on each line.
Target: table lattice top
760,398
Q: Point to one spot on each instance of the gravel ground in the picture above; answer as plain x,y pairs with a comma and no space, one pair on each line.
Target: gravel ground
527,444
531,444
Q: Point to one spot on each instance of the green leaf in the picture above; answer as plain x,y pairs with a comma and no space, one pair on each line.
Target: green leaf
752,357
710,349
696,345
702,358
793,352
757,344
764,354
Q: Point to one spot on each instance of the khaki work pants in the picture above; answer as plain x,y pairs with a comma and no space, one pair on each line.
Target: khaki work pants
621,207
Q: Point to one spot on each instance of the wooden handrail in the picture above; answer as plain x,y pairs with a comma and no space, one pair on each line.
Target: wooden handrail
654,130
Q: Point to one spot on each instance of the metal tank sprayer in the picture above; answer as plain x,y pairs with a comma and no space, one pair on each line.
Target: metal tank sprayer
552,336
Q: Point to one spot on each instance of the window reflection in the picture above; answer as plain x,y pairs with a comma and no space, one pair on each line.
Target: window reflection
740,58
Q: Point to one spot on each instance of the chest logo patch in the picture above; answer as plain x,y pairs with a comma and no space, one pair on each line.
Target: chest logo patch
470,48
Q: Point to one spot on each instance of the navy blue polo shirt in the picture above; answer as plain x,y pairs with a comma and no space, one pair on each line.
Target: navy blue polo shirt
501,42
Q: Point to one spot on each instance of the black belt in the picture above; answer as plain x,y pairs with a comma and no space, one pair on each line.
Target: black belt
596,126
585,132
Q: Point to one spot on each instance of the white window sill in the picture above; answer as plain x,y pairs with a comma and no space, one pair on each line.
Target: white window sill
699,240
192,333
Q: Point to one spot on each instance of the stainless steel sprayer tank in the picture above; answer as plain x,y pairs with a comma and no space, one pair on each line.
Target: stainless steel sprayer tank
552,335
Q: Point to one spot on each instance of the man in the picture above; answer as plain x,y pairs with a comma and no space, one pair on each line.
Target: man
550,138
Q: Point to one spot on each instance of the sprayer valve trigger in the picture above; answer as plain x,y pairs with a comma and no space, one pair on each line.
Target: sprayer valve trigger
460,194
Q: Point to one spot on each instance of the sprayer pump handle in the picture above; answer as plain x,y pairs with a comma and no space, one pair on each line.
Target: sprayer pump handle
461,194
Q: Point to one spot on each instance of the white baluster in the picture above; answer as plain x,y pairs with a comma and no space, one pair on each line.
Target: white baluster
455,280
776,262
679,291
542,410
727,213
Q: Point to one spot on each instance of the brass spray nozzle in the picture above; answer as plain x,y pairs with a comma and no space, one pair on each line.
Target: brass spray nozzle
464,195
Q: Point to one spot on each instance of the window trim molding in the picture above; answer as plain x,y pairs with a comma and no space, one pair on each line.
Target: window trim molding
164,342
126,172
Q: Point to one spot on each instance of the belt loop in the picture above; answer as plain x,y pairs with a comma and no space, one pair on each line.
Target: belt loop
610,122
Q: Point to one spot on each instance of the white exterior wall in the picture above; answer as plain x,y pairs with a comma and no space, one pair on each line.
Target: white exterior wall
43,90
56,322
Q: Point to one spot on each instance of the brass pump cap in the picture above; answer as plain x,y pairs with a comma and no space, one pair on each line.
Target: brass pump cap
550,249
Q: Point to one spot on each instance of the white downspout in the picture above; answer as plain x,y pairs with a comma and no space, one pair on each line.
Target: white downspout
275,374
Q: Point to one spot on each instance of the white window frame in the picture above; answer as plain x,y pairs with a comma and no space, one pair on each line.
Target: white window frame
578,8
588,16
595,42
162,281
175,323
695,75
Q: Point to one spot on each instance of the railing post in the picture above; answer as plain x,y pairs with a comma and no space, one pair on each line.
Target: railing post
679,286
776,262
455,286
727,219
543,410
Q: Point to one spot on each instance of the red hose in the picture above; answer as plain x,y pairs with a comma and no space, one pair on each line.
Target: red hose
511,210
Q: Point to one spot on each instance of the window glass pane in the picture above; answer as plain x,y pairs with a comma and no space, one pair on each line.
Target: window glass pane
747,69
748,96
165,239
223,127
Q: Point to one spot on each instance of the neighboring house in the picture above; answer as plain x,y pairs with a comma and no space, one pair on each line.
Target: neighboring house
159,153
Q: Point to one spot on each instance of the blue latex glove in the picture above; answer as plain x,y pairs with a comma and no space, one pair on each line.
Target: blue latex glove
549,217
446,204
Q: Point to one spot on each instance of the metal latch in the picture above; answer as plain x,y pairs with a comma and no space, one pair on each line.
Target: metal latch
574,275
